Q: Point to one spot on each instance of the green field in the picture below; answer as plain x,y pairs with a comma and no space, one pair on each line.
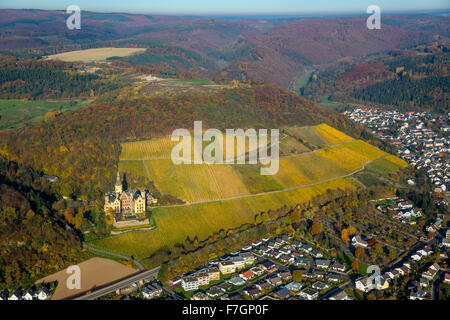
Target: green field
328,104
301,81
17,113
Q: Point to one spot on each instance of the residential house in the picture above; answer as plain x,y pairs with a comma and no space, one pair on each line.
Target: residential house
248,257
309,294
382,282
238,262
318,274
341,295
418,294
338,267
446,242
424,282
253,292
215,292
151,291
447,278
316,253
285,258
15,295
29,295
285,275
268,266
301,261
202,278
364,284
213,273
247,275
274,280
189,283
236,281
319,285
333,277
282,293
294,287
200,296
306,248
257,270
4,295
43,294
357,241
264,285
227,267
322,263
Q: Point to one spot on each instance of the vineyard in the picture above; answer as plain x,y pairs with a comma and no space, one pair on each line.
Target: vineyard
223,197
202,182
176,223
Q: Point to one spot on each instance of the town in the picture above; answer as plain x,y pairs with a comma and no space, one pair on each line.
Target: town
285,268
420,137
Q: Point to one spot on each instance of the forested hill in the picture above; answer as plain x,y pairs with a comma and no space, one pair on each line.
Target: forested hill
34,240
82,147
406,79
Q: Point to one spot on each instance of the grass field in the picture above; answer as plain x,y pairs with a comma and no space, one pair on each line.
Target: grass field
328,104
301,81
17,113
97,54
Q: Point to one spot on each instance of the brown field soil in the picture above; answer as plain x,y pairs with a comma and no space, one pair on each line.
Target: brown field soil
95,272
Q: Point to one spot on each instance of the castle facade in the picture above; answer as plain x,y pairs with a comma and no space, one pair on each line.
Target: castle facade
124,203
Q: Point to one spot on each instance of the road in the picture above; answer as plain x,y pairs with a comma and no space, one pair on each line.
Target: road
120,284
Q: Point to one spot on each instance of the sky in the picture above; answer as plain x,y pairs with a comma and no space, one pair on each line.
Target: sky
231,7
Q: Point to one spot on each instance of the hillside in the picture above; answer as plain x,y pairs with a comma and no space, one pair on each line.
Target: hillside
82,147
406,79
269,50
34,239
222,198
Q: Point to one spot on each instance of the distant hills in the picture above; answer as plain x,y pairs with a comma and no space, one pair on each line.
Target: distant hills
273,50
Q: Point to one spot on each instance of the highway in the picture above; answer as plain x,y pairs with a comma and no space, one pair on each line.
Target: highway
120,284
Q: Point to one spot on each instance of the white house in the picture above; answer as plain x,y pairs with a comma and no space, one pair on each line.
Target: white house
364,284
357,241
189,283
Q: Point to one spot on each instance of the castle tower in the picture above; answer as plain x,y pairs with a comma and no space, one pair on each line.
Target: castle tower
118,186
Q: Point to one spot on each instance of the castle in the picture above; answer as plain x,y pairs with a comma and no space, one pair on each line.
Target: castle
124,203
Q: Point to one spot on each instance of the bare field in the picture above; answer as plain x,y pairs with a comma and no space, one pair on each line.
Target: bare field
97,54
95,272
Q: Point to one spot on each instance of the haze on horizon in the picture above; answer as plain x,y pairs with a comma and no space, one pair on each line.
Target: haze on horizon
232,7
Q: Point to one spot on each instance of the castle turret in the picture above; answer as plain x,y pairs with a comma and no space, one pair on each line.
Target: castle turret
118,186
